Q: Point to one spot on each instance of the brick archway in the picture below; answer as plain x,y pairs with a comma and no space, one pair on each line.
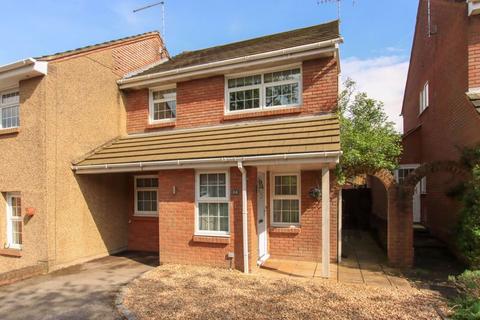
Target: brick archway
399,222
416,175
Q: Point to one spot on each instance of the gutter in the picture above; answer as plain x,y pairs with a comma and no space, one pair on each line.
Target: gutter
328,156
130,82
244,216
39,66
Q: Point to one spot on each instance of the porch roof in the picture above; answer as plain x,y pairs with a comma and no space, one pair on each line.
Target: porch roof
302,137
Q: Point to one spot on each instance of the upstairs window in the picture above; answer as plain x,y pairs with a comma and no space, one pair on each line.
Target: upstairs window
424,98
9,110
163,105
265,91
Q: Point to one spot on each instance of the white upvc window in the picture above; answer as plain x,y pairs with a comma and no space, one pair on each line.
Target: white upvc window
264,91
212,214
162,105
424,98
146,196
9,109
14,221
285,190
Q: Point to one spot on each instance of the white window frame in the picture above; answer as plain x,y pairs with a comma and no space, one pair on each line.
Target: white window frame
273,197
424,98
262,87
11,219
151,103
144,213
9,105
199,200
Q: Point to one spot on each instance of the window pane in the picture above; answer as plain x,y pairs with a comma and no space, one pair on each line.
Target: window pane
164,94
213,216
10,117
285,185
282,75
286,211
246,99
285,94
8,98
213,185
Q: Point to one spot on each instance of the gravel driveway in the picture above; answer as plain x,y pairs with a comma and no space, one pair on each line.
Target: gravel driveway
187,292
85,291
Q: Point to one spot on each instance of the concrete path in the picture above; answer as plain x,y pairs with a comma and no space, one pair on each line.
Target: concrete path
85,291
365,263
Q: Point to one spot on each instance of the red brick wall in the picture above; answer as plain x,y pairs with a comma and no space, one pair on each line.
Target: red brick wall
474,51
138,54
306,242
177,225
142,231
451,121
201,102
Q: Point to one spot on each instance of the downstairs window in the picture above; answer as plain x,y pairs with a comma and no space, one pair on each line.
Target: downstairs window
212,199
286,199
14,221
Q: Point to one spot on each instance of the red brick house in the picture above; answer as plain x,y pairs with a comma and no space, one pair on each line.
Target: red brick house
440,107
229,152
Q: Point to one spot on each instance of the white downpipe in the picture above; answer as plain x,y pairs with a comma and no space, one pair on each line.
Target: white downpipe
325,222
244,216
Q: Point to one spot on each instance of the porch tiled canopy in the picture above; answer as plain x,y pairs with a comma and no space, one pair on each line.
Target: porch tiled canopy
307,135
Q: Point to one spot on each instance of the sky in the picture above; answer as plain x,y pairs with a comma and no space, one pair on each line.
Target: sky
375,53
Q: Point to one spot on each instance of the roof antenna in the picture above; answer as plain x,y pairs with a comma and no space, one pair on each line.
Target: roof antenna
338,5
162,3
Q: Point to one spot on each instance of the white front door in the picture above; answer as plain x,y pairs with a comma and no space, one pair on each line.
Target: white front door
416,204
261,218
400,174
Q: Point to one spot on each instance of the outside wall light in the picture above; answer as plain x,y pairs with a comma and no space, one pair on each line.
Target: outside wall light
315,193
30,212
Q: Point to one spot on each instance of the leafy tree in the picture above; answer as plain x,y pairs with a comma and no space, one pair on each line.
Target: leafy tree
369,141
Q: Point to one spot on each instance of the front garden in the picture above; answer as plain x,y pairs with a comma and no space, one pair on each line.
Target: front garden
192,292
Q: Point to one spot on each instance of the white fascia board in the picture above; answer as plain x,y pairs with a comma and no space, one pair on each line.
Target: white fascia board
279,159
171,75
11,74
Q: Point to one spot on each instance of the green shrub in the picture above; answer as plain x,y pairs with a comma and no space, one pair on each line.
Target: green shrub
467,305
468,233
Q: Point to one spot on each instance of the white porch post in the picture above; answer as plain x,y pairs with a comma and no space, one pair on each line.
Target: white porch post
325,222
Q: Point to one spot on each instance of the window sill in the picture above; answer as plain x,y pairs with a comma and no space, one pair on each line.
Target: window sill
163,124
147,216
9,131
211,239
17,253
264,113
291,230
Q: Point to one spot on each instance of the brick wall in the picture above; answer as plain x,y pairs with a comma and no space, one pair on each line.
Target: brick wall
305,242
451,122
142,231
201,102
177,225
138,54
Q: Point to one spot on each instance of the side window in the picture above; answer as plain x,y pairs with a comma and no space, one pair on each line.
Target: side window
9,110
146,188
424,98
